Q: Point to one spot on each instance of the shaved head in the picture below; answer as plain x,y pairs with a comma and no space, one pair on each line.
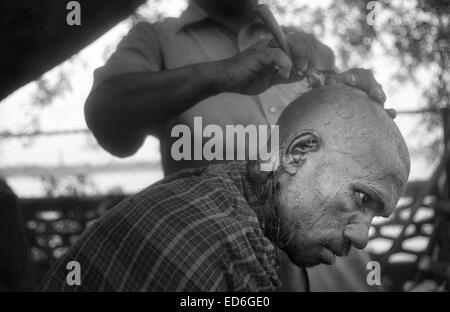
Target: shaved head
348,122
342,161
347,119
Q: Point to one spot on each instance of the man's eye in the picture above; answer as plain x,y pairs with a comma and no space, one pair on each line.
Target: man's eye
362,198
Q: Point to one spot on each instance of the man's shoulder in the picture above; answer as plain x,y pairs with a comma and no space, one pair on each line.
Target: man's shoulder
160,239
166,26
204,204
188,185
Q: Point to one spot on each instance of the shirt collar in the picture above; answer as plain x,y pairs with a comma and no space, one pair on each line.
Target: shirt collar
253,187
193,14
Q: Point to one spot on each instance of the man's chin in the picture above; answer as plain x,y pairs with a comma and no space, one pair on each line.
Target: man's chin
319,256
306,261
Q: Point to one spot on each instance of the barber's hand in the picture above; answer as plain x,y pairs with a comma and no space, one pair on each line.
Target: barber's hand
364,80
255,69
308,53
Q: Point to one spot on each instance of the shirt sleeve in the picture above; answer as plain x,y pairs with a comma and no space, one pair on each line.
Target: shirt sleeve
138,51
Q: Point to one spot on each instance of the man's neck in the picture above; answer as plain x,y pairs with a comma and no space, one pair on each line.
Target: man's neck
265,188
231,19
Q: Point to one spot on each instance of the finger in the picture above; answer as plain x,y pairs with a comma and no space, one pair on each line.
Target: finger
302,48
292,78
325,58
377,94
301,57
391,112
312,56
312,63
364,80
281,61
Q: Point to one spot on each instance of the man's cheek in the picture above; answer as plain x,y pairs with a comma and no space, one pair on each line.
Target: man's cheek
330,224
326,231
291,200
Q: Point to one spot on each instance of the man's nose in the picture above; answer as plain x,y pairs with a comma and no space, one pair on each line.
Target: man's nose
358,234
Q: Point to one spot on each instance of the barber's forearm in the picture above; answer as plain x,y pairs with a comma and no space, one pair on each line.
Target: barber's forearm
125,108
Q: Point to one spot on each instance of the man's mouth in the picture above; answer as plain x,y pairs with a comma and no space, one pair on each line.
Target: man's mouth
341,251
328,254
338,253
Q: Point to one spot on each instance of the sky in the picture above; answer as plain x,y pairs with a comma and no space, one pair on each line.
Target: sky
61,154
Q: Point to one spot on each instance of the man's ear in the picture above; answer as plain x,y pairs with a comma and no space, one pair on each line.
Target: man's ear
299,146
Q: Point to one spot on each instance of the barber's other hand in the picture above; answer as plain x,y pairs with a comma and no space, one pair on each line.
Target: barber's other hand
254,70
364,80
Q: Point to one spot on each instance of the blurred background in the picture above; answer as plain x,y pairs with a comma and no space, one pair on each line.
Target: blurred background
63,179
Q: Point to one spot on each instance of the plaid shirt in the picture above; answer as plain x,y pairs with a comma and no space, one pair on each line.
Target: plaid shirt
194,231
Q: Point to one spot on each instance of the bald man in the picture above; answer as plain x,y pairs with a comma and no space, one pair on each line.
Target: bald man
341,161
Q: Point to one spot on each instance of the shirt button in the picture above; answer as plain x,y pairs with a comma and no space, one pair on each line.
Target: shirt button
273,110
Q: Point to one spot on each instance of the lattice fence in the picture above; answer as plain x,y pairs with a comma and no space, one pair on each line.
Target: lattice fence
400,255
53,225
